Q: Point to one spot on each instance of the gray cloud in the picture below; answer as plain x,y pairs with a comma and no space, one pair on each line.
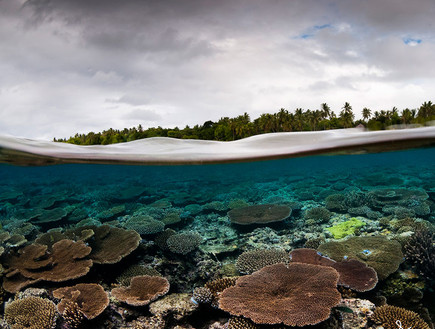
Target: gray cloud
75,65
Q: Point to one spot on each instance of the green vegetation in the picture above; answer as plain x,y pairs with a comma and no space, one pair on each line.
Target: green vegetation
228,129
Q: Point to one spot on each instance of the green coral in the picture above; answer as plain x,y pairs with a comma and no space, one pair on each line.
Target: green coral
346,228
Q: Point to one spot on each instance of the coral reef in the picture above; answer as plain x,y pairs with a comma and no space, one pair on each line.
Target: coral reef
297,295
259,214
183,243
174,306
251,261
379,252
144,225
393,317
110,244
90,298
210,293
353,273
142,290
72,316
104,228
356,275
361,309
243,323
202,295
32,313
135,270
342,230
318,215
66,261
420,252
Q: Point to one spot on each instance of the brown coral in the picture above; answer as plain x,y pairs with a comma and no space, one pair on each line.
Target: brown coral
34,263
253,260
142,290
353,273
31,313
72,316
393,317
91,298
135,270
243,323
67,262
297,295
109,244
259,214
356,275
51,216
183,243
210,293
379,252
310,256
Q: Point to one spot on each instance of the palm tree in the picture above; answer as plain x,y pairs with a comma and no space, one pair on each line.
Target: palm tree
366,113
299,119
346,115
314,117
407,116
326,111
426,110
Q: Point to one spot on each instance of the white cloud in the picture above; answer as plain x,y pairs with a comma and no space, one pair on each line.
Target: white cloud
76,66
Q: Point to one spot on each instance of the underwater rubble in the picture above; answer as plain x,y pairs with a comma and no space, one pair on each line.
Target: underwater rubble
86,247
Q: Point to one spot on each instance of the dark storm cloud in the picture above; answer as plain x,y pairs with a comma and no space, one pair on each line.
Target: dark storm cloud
95,64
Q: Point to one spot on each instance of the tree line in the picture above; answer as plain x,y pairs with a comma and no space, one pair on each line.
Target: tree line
228,129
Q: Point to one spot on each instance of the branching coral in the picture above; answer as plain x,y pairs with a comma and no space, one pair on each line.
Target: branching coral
251,261
31,313
318,215
210,293
420,252
393,317
183,243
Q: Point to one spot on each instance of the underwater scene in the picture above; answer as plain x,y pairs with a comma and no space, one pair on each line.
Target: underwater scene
325,241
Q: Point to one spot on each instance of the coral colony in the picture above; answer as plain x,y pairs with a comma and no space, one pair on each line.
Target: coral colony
316,242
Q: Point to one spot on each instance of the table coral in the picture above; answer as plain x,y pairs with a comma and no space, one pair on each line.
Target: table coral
110,244
91,298
142,290
353,273
379,252
67,260
297,295
259,214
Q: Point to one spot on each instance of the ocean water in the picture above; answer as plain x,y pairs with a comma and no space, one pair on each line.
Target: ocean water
390,194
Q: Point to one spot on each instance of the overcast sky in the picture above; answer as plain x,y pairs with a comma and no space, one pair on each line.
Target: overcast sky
72,66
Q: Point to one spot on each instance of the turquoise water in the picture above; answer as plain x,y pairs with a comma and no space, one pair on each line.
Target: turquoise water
197,199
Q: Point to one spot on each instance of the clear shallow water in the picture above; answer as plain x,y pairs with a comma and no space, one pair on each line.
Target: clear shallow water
199,198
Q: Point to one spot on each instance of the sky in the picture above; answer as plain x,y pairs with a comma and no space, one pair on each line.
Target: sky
75,66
